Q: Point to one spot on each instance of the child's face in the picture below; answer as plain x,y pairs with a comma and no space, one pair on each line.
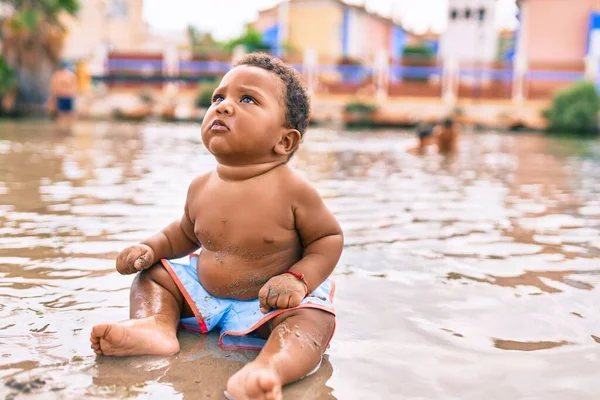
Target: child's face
246,118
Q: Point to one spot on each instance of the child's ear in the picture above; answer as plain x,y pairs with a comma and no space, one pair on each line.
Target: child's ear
289,141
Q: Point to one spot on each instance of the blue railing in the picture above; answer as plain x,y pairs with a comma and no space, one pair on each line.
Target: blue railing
402,71
132,65
120,78
193,71
197,67
504,75
557,76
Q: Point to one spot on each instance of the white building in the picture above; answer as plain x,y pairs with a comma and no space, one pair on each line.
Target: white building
471,34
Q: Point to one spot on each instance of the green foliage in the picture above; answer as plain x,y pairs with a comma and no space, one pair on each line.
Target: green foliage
251,39
8,78
203,45
418,51
357,106
32,39
204,96
28,14
574,109
358,114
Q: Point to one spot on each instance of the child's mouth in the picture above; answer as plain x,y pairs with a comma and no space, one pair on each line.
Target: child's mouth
219,125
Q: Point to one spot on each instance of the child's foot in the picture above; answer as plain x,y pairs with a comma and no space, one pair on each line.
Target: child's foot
134,337
255,382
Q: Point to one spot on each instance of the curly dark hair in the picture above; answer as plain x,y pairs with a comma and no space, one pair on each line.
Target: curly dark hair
297,102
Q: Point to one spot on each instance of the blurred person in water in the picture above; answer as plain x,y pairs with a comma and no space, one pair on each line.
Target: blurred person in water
427,141
268,244
63,89
447,135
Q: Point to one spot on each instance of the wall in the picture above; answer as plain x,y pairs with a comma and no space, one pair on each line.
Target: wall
555,31
470,39
316,25
117,22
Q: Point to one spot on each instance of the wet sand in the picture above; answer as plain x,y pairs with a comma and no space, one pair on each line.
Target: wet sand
466,278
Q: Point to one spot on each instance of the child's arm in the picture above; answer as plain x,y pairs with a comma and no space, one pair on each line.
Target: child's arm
322,239
176,240
321,236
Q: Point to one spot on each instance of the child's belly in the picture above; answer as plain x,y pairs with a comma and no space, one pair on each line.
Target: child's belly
231,276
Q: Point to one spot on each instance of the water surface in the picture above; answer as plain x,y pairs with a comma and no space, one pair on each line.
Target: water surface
465,278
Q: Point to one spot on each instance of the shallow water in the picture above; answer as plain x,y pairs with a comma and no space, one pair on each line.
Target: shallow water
467,278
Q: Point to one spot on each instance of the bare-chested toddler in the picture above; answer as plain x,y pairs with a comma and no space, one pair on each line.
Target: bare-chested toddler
267,242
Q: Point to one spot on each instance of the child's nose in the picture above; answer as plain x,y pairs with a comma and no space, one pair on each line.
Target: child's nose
225,107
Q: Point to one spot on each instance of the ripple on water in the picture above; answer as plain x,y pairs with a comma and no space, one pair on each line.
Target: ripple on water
446,261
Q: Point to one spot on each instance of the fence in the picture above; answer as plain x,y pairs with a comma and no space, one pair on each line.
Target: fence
408,78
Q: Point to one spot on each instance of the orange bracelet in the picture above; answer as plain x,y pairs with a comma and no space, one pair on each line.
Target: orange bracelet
301,278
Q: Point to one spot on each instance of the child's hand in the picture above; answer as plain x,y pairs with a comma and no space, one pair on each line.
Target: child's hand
135,258
281,291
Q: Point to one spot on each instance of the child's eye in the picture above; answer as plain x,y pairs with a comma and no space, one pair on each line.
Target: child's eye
247,99
217,97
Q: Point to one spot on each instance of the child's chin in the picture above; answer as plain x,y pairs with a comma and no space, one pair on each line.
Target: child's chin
218,150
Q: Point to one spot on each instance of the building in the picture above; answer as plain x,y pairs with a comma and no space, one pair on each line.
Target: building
471,34
332,28
556,33
111,36
104,25
429,39
506,45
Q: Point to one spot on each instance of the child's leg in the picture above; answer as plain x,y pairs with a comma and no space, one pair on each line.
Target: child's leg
294,348
155,307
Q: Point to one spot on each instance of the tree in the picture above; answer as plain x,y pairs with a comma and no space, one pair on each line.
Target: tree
203,45
32,41
8,79
251,39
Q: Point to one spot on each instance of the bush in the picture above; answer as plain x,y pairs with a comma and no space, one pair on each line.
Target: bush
8,78
358,114
357,106
418,51
574,110
204,97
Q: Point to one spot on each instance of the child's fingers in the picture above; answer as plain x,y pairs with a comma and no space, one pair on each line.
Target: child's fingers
262,296
125,263
119,262
272,300
143,261
131,257
283,301
295,300
264,310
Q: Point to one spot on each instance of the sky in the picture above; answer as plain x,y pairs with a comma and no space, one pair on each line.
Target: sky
226,18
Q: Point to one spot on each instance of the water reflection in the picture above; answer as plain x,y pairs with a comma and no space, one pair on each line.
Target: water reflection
457,273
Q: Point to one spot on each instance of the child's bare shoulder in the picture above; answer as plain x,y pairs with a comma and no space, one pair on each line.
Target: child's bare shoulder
299,187
199,182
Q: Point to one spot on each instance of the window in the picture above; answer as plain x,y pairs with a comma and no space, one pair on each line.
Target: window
453,14
468,13
481,14
118,8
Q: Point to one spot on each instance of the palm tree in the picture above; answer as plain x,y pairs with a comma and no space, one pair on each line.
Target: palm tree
32,38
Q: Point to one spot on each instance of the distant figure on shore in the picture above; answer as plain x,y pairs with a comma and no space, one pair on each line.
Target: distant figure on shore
427,140
447,135
63,89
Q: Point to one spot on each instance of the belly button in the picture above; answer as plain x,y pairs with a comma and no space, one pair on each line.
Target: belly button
269,240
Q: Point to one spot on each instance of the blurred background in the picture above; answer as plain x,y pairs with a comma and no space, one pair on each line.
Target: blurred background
471,275
493,62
